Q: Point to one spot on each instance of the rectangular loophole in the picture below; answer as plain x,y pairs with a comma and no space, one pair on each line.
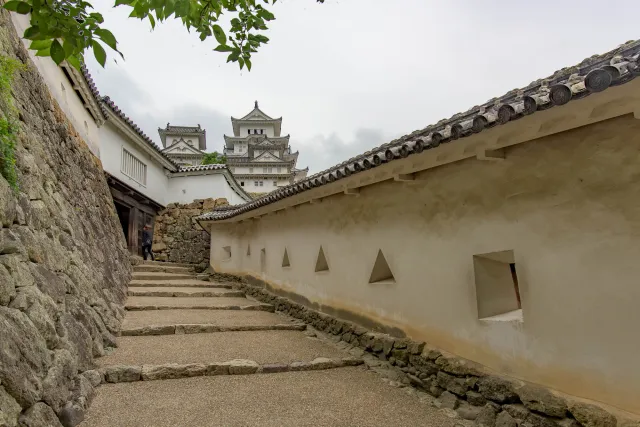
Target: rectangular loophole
226,252
263,259
497,286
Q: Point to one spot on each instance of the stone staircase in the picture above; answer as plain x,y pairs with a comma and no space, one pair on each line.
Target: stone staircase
197,353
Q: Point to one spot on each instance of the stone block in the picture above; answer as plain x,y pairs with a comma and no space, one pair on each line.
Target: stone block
217,369
457,366
9,407
468,412
591,415
172,371
415,347
542,400
242,367
39,415
122,373
274,368
497,389
505,420
535,420
487,416
448,400
517,411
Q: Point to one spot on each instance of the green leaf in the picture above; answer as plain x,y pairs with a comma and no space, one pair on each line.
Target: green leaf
31,32
43,52
266,15
18,7
119,2
75,62
57,52
99,53
219,34
69,46
107,37
40,44
223,48
153,21
247,61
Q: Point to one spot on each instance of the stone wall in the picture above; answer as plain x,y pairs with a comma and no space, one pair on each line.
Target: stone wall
178,238
64,266
458,384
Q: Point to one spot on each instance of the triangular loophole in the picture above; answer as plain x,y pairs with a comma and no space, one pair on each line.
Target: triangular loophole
321,262
285,259
248,250
381,271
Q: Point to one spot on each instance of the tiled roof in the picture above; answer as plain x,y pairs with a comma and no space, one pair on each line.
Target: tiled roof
106,101
92,86
592,75
182,129
202,167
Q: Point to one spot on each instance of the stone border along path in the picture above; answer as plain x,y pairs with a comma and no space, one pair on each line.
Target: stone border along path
226,321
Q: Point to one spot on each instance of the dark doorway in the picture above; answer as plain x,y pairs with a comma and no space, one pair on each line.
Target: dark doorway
123,215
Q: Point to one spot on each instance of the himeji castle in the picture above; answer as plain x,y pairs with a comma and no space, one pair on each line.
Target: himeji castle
184,145
258,155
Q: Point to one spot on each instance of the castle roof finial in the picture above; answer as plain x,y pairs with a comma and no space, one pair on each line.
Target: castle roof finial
256,104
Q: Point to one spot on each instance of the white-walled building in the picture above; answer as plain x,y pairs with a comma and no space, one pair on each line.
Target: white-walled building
258,156
184,145
142,178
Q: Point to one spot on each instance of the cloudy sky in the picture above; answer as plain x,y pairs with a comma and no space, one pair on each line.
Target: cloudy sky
348,75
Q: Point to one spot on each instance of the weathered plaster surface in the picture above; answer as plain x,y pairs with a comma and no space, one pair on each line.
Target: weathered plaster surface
567,204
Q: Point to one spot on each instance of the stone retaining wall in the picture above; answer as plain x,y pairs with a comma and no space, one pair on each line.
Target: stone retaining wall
459,384
64,266
178,238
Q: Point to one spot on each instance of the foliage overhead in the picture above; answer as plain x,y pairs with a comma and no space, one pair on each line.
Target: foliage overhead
214,158
65,29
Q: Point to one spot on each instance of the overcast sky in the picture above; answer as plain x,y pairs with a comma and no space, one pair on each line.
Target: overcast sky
348,75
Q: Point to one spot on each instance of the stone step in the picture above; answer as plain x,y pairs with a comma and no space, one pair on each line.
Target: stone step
170,371
186,283
181,292
338,397
220,318
140,275
202,328
207,303
150,268
166,264
265,347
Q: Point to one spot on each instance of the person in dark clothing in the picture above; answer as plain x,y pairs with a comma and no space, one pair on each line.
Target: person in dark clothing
147,241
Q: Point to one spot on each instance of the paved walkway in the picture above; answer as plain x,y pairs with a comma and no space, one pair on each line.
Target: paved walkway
196,353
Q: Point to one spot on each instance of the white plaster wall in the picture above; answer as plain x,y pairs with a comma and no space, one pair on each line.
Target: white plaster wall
249,186
569,207
69,101
184,189
268,129
112,140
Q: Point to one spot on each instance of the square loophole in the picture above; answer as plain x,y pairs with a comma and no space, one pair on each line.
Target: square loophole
497,288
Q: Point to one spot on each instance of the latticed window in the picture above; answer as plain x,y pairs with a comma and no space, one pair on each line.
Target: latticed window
132,167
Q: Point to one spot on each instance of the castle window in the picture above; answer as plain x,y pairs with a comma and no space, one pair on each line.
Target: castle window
255,183
248,131
261,182
497,287
241,183
261,130
275,183
132,167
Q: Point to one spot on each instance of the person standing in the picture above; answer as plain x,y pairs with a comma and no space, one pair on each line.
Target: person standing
147,241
